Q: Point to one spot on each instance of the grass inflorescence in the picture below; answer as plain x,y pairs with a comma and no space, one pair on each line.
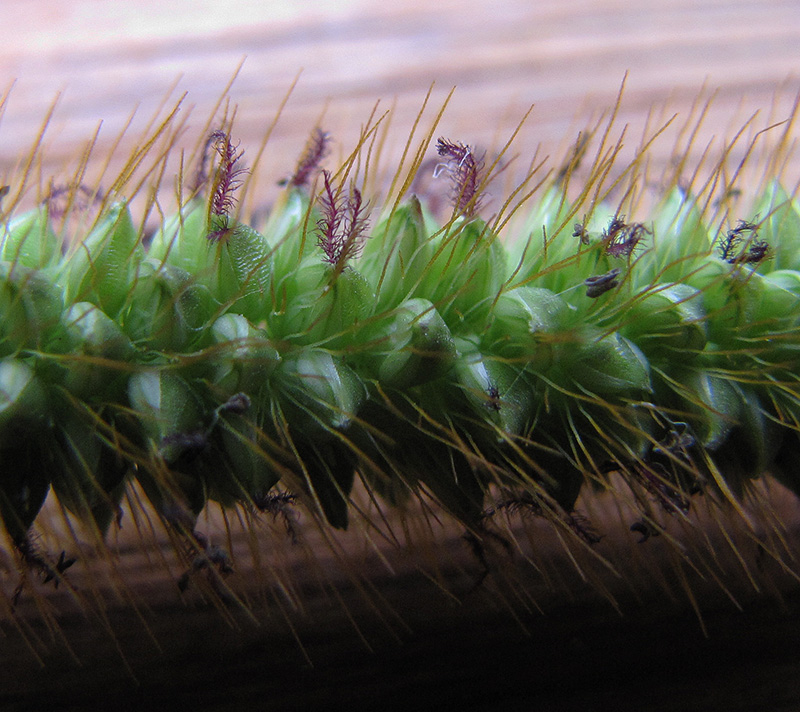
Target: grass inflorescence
357,358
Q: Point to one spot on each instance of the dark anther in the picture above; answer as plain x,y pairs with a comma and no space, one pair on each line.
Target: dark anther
580,231
601,283
33,558
62,565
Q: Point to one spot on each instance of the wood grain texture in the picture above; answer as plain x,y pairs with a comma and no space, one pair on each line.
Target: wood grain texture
105,59
567,59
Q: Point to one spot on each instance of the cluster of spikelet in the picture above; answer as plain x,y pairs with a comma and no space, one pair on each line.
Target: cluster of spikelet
211,362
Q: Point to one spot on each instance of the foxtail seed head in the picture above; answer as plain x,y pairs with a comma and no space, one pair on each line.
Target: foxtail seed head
450,362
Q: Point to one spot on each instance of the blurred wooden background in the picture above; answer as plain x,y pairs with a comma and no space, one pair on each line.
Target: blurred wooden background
104,59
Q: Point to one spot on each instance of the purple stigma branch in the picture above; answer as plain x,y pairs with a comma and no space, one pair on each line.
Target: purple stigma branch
342,225
63,199
621,238
466,174
227,180
316,150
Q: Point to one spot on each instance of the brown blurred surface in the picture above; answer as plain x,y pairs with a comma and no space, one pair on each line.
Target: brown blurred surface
569,59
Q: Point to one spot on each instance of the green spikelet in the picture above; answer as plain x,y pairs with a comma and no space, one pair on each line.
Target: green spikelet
100,269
